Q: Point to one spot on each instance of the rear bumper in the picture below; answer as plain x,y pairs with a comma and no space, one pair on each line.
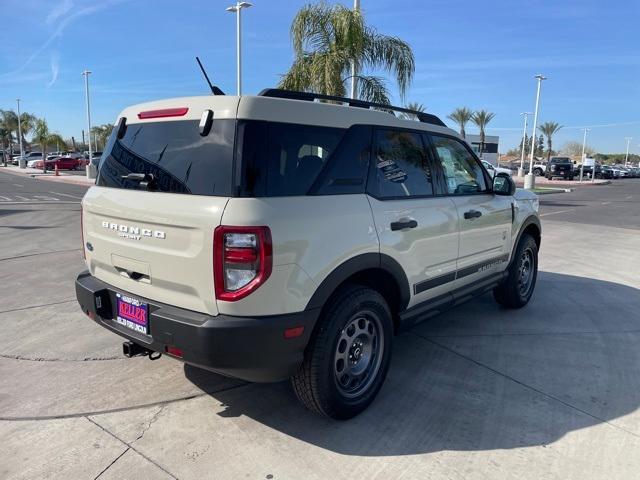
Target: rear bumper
249,348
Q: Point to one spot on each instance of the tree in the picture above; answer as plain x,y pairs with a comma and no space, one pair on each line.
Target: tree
9,122
461,116
418,107
102,134
44,137
574,149
539,151
27,125
326,39
481,118
549,129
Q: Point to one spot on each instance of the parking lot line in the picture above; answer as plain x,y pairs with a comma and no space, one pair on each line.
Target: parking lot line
555,213
67,195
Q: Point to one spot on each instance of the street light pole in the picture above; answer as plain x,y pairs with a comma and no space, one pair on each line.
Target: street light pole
237,9
626,157
21,163
529,180
354,69
584,144
86,74
524,143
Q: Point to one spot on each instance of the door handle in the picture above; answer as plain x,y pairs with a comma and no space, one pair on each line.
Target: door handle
402,225
472,214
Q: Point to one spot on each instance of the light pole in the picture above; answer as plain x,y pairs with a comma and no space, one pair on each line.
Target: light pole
524,143
237,9
354,68
21,163
626,157
86,74
529,179
584,144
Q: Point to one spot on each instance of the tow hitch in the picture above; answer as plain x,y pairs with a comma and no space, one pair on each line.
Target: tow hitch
132,349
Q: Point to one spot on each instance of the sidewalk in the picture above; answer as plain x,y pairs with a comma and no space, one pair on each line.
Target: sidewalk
37,173
543,182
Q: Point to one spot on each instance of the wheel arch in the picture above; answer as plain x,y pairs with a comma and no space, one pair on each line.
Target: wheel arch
376,270
530,226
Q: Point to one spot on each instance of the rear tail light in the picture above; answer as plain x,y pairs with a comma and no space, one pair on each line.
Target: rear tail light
242,260
163,113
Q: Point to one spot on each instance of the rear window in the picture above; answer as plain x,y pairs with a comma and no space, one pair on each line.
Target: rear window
180,160
281,159
561,160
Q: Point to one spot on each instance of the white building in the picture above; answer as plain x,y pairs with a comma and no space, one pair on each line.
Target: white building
490,150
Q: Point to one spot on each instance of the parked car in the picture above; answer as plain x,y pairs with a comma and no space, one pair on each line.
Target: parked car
63,163
32,163
587,170
559,167
327,228
539,169
95,159
27,157
493,170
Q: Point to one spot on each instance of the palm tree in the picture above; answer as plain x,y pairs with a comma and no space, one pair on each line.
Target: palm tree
481,118
461,116
102,134
44,137
418,107
9,122
327,39
27,124
549,129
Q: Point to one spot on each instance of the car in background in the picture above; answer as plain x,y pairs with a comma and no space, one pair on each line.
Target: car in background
587,170
63,163
27,157
493,170
539,169
559,167
31,163
95,159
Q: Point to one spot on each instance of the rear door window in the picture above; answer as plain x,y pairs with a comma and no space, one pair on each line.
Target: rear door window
401,166
174,152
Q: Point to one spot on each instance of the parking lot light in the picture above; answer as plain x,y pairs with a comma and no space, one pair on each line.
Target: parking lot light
626,157
86,74
237,9
584,143
22,163
529,180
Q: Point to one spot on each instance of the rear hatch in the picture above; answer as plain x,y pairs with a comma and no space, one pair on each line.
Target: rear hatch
151,234
561,166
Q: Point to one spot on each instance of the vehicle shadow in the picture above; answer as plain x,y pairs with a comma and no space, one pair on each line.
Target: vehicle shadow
480,377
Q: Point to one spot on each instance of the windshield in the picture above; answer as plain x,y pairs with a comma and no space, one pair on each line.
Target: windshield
175,154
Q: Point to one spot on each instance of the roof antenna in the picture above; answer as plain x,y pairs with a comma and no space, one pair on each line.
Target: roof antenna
214,90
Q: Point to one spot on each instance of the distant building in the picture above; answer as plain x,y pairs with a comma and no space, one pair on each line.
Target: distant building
490,151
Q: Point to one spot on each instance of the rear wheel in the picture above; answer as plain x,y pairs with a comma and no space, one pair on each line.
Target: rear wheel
516,290
348,357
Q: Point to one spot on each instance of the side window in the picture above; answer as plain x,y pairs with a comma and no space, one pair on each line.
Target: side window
462,173
349,165
401,166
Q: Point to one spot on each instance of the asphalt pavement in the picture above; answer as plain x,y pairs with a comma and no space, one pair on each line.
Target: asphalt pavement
549,391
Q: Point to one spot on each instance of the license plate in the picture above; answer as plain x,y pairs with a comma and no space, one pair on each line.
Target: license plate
132,313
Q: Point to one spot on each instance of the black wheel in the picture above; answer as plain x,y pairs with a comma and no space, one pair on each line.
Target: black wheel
516,290
537,172
347,359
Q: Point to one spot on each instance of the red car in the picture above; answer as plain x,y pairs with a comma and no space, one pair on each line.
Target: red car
63,163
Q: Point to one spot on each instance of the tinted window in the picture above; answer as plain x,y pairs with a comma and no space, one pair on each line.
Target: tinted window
401,167
280,159
348,167
180,160
462,173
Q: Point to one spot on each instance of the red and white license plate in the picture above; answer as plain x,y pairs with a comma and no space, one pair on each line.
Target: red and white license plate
132,313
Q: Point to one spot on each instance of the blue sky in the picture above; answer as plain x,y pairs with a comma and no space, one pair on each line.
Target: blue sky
478,54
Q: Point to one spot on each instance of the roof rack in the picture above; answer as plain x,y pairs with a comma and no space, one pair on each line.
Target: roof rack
352,102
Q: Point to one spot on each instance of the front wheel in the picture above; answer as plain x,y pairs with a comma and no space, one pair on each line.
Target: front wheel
516,290
347,359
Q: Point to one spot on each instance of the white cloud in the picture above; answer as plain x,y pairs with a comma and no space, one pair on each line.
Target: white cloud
59,10
55,67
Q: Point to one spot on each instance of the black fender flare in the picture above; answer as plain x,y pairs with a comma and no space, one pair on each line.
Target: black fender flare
357,264
530,220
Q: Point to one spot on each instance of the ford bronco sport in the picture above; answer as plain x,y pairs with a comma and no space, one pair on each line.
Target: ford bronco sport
276,236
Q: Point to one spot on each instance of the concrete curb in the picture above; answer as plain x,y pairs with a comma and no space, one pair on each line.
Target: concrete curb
39,174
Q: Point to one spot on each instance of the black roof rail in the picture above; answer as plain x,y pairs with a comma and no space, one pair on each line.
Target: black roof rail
352,102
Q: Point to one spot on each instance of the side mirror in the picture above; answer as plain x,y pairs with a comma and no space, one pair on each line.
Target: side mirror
503,184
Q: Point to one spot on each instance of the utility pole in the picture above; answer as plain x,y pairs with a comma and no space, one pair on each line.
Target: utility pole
529,180
354,67
86,74
584,144
626,157
22,162
524,143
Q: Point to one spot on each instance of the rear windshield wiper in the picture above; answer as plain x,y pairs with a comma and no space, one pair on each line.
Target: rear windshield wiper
146,180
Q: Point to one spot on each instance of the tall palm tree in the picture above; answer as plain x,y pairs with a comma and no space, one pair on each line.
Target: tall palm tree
418,107
9,121
461,116
549,129
27,125
481,118
326,39
102,134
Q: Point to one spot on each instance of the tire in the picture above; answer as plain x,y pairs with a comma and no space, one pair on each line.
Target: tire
537,172
516,290
357,323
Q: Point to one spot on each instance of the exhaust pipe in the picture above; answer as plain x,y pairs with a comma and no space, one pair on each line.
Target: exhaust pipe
131,349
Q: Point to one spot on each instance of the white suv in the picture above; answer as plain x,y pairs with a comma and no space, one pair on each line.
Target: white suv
273,236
